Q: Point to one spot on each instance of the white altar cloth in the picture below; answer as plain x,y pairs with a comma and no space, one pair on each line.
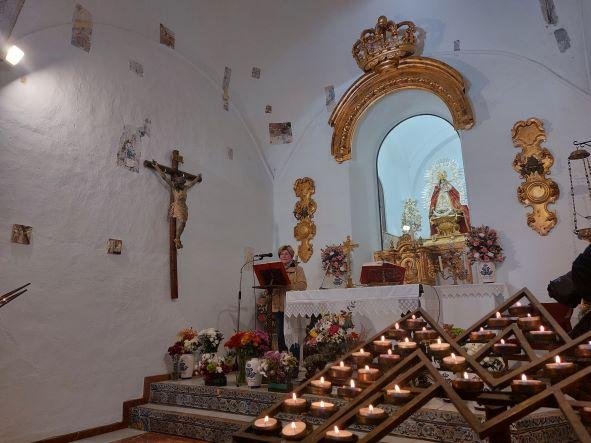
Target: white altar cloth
379,306
463,305
375,307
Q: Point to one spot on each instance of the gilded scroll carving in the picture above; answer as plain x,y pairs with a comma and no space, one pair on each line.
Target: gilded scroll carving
386,55
305,230
533,163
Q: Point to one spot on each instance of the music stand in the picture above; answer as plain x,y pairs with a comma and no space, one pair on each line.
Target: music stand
270,276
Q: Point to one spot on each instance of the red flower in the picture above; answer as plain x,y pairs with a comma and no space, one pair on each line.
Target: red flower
333,329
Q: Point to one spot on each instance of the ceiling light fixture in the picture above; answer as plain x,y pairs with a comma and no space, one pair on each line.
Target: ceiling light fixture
14,55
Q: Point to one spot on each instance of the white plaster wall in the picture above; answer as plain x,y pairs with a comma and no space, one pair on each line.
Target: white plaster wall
93,325
502,91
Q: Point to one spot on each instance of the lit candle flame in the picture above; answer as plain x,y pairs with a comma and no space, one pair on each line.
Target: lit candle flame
341,364
502,341
336,429
321,380
523,377
518,304
466,375
424,328
366,368
266,419
438,340
293,396
406,339
481,329
389,351
383,338
498,314
414,317
321,403
352,383
397,388
396,325
557,359
293,426
542,329
589,342
370,409
453,357
528,315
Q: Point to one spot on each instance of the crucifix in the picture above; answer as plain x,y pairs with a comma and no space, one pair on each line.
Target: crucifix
348,247
180,182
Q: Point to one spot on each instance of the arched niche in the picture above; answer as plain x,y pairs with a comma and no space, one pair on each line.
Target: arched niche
411,73
372,129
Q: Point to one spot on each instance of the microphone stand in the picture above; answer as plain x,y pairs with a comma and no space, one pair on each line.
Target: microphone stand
252,260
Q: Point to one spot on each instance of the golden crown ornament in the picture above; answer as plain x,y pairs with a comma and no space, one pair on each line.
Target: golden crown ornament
387,43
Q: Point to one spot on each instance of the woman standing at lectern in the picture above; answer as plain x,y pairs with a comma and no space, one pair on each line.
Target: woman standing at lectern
298,282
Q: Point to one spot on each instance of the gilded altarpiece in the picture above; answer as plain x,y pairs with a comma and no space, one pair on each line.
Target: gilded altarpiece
386,54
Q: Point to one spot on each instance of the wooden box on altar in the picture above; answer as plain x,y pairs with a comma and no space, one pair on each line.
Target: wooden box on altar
381,273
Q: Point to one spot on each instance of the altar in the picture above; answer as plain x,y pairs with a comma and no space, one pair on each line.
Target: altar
375,307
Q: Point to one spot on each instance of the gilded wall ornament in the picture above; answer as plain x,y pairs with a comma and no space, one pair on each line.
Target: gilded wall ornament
305,230
533,163
385,53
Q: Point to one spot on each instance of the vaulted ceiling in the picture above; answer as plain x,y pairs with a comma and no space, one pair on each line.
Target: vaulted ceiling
301,46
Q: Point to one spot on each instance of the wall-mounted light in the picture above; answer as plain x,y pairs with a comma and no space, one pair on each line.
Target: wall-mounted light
14,55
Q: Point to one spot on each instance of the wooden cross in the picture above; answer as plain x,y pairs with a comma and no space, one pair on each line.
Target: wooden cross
173,171
348,247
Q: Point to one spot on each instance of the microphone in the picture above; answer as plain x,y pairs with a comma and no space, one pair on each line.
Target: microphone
268,254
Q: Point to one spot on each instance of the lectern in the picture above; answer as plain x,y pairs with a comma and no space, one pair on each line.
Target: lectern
270,276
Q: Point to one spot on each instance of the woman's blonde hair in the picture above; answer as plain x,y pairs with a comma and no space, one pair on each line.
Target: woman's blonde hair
287,248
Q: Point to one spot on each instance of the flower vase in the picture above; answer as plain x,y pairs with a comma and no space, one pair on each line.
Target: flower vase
187,365
176,370
241,376
280,385
252,371
215,380
486,271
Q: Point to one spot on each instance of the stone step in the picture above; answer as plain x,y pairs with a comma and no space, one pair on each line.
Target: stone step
209,425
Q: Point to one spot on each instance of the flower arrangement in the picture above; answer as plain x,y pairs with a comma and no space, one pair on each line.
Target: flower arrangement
334,262
176,350
211,364
249,344
209,340
278,366
186,342
332,329
483,245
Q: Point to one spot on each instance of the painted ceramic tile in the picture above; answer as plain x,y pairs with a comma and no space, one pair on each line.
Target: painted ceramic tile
226,87
129,151
114,246
81,28
330,97
280,133
21,234
136,68
256,72
268,109
166,36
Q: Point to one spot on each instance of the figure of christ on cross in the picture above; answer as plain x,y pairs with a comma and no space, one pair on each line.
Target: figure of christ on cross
180,182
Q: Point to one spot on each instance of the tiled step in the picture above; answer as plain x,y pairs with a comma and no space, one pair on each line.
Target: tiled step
193,394
212,426
437,421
